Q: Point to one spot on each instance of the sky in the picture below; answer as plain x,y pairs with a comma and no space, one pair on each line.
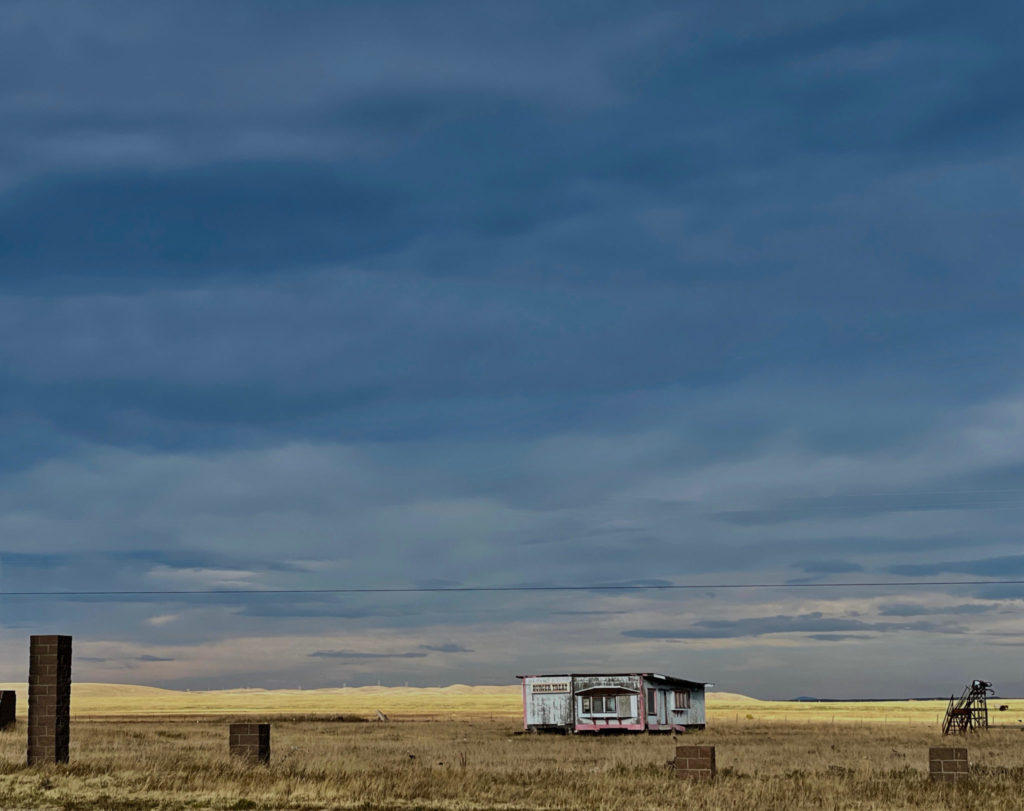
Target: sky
334,295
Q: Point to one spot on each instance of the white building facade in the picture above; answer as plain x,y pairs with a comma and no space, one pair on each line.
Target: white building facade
612,702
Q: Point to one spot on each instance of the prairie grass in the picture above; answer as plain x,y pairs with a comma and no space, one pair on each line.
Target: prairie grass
158,763
459,701
462,747
454,701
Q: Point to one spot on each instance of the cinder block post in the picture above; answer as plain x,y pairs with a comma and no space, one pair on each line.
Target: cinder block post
8,703
695,763
948,763
250,741
49,699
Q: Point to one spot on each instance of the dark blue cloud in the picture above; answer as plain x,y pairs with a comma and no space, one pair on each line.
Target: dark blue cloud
123,226
1005,566
867,504
814,622
917,609
29,560
270,607
829,566
136,561
448,647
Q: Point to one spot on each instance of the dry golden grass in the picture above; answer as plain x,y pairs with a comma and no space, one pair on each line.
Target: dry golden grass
156,763
896,713
460,701
137,748
454,701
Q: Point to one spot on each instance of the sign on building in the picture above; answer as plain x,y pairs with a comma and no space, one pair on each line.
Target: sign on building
551,687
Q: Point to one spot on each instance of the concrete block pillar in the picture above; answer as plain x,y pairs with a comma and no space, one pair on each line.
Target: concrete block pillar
8,703
948,763
49,699
250,741
695,763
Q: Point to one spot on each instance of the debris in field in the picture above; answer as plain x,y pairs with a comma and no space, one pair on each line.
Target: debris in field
381,716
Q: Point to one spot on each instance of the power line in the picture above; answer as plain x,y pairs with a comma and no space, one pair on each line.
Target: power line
525,588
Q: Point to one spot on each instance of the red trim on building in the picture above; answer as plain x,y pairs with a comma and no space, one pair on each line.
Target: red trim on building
608,727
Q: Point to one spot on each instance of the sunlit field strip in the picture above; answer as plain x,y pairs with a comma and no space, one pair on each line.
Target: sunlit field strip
462,701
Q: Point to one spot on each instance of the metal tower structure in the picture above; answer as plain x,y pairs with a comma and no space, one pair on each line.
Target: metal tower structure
969,712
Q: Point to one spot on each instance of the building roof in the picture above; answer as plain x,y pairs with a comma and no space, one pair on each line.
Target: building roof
657,677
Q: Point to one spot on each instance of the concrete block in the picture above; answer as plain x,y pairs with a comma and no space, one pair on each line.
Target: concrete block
49,699
695,763
250,741
8,704
948,763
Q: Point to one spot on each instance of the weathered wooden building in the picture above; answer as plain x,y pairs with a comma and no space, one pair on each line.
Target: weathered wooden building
610,702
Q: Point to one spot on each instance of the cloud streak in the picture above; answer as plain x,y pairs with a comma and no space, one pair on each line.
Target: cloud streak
814,622
357,655
448,647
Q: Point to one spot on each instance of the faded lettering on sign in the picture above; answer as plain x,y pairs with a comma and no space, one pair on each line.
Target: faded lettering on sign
551,687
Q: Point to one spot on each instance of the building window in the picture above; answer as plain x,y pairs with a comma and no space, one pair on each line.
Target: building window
593,705
652,701
682,700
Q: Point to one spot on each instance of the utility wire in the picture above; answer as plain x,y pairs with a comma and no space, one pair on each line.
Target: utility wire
468,589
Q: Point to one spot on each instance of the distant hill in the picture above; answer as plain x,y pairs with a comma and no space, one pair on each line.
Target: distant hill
728,698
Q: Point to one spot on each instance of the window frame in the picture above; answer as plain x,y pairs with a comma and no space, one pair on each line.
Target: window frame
599,705
683,694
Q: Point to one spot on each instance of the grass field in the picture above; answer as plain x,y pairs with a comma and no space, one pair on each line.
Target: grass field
160,764
136,748
461,701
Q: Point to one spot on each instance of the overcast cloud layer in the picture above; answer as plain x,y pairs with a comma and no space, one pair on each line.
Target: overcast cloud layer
330,295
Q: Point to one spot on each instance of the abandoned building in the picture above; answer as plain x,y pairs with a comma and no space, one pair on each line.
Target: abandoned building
611,702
